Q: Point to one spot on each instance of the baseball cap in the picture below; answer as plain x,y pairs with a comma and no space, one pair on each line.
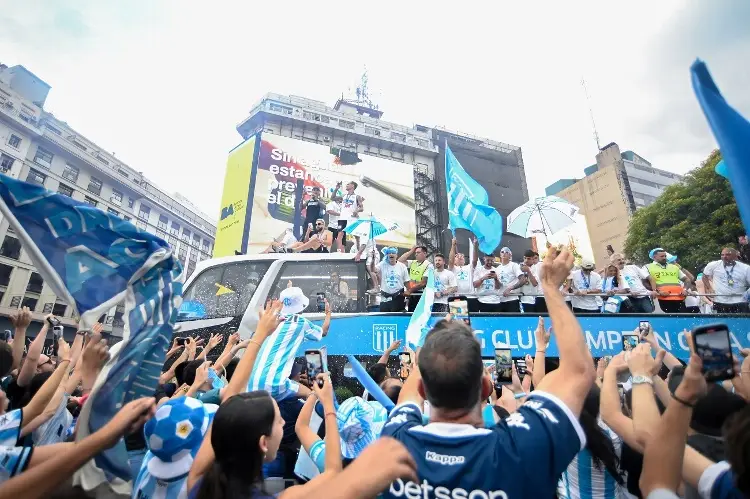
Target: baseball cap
360,423
587,263
653,252
294,301
506,249
175,434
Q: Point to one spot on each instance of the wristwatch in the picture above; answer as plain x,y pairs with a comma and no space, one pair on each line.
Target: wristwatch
639,380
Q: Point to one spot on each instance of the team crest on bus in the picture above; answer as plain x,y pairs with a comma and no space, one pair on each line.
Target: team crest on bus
383,335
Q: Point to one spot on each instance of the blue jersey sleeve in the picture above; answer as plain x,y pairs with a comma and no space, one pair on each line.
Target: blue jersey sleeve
13,461
10,427
717,482
318,455
312,332
545,426
401,419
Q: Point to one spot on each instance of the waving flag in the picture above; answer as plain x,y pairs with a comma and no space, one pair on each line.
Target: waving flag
418,324
732,132
94,260
468,206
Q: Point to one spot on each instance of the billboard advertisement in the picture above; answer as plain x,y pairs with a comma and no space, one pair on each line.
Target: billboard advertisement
235,199
288,169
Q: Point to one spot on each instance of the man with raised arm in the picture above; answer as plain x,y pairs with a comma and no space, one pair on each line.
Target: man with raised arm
524,454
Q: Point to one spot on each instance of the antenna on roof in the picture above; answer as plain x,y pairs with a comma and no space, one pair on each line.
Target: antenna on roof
591,113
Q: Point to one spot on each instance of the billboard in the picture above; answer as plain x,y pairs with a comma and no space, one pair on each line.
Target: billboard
235,199
287,170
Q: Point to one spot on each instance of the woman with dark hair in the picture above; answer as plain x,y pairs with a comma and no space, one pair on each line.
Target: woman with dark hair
595,472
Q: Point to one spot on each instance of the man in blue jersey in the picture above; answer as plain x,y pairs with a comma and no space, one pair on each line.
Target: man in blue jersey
524,455
276,356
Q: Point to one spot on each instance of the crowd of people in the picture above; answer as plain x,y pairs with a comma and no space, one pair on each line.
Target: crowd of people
264,425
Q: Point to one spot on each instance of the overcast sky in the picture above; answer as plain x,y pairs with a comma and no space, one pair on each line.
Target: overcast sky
164,83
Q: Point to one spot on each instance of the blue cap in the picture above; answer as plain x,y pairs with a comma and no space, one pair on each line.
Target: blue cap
506,249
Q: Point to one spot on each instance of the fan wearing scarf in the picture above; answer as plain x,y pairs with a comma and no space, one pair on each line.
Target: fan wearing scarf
276,356
173,437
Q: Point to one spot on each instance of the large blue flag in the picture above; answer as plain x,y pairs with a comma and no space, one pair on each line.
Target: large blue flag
732,132
468,206
418,327
94,260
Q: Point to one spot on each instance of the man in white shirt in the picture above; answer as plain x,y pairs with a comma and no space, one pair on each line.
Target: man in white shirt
392,275
530,290
465,273
640,297
729,279
487,285
585,282
352,206
511,279
333,209
445,284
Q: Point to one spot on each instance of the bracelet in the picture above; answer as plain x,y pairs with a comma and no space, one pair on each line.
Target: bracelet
519,395
541,351
683,402
331,414
256,342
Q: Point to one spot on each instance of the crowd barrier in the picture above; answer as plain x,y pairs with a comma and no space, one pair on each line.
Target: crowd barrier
371,334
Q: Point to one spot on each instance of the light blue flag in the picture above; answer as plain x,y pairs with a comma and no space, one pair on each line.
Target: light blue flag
418,326
468,206
94,260
732,132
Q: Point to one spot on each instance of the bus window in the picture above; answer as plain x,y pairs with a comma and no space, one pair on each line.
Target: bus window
222,291
343,283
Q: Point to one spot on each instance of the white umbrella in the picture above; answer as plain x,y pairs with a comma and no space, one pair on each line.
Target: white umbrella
543,215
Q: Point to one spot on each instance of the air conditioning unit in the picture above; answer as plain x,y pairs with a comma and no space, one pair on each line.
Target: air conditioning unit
326,139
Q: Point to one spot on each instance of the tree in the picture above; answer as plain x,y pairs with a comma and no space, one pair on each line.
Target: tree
693,219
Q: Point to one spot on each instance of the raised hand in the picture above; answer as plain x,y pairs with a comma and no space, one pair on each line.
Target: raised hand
394,346
201,374
63,350
21,318
541,335
128,419
325,392
556,268
214,340
269,320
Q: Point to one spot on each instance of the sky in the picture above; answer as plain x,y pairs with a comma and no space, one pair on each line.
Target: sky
163,83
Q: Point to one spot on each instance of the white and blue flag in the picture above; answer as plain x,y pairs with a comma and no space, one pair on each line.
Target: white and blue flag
94,260
418,327
468,206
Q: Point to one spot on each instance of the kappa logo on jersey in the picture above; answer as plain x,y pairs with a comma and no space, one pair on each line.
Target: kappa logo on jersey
399,419
539,408
516,420
409,489
444,459
383,335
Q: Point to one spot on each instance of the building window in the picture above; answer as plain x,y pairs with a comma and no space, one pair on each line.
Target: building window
71,172
79,145
6,162
398,136
122,172
11,248
144,212
186,235
281,109
131,202
116,197
36,177
14,141
346,124
160,233
15,301
5,273
35,283
91,201
65,190
114,212
196,240
206,245
172,240
175,229
43,157
52,129
182,252
193,255
141,225
162,223
95,186
59,309
102,160
190,268
372,130
30,302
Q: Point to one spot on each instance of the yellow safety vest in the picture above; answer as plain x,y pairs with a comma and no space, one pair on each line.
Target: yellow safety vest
667,279
417,270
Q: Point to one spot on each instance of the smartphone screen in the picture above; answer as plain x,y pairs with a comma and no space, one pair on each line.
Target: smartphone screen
503,365
57,333
405,358
521,367
713,346
314,363
644,327
459,309
629,342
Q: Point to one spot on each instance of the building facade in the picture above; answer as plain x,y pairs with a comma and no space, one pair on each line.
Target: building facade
37,147
612,190
357,128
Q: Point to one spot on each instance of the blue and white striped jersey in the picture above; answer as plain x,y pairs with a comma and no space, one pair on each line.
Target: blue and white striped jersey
10,427
147,486
275,358
13,461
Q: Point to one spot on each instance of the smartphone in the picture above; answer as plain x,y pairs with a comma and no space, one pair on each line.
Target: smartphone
181,341
458,307
57,333
620,391
405,358
713,346
7,335
503,365
53,321
629,342
315,366
321,302
215,379
521,367
644,327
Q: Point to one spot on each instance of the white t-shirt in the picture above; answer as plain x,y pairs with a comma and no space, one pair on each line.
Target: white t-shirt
486,291
633,276
586,283
728,280
392,277
333,220
443,280
349,204
508,274
464,280
529,291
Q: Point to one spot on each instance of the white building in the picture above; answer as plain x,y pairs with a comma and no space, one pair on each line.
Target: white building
37,147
